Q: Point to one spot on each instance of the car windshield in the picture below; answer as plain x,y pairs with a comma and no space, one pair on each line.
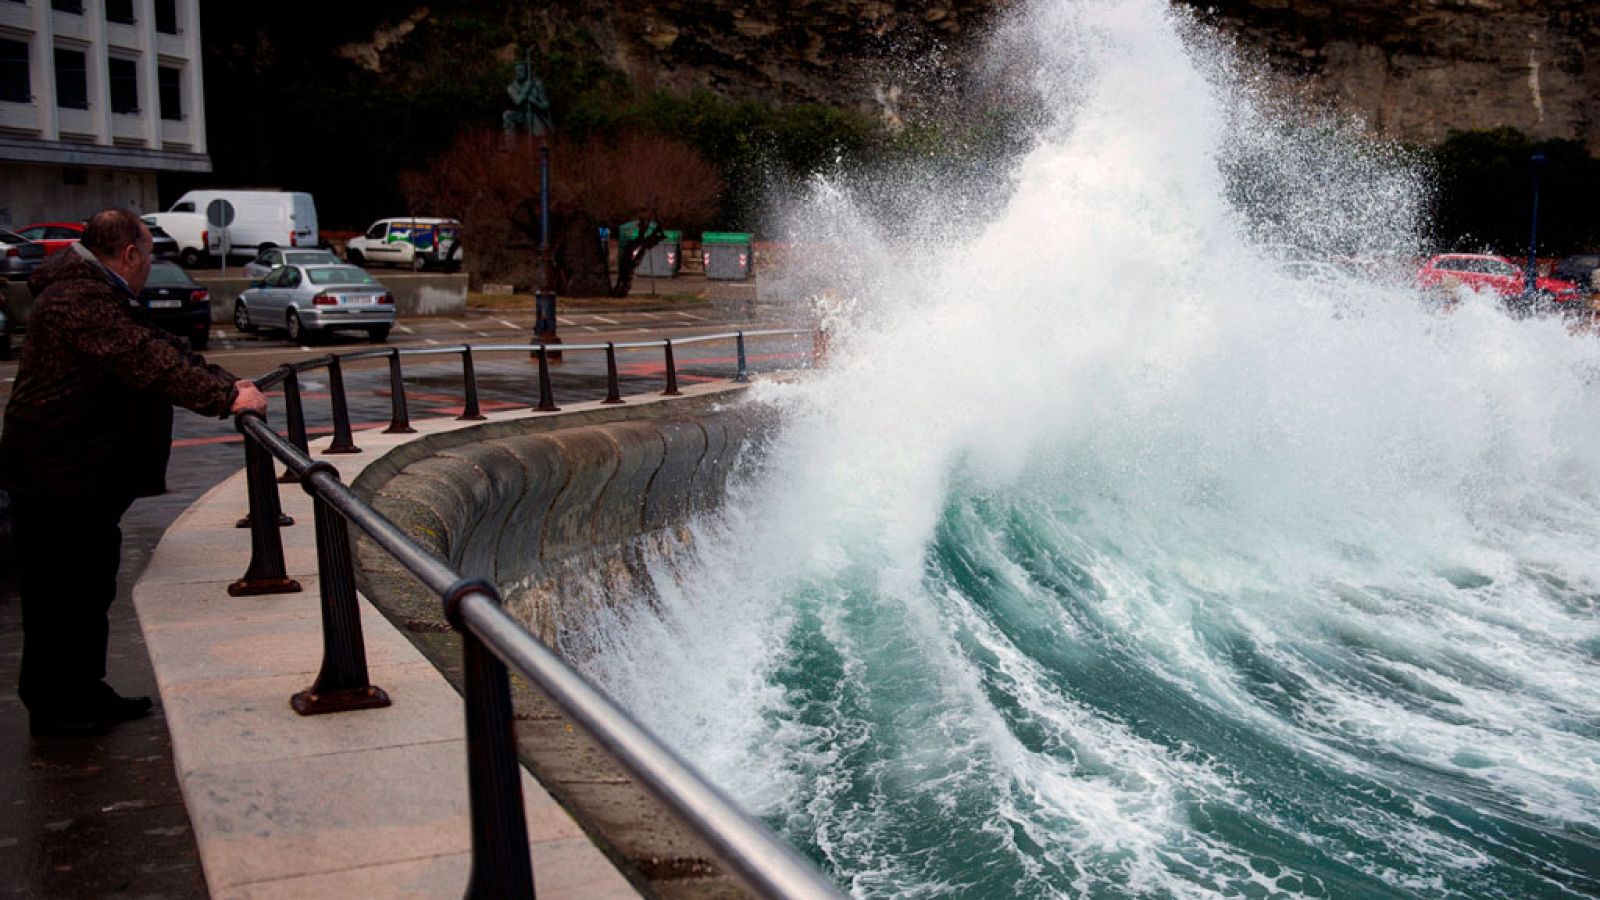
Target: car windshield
310,257
339,275
168,275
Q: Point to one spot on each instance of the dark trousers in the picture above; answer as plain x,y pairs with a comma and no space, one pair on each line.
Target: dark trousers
68,553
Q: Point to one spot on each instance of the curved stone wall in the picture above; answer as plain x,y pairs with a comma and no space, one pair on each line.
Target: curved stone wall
560,513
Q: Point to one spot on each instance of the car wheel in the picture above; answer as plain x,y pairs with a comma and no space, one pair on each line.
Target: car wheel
356,258
419,262
199,342
378,334
297,332
241,318
190,258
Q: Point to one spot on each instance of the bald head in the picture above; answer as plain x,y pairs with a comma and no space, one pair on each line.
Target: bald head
120,241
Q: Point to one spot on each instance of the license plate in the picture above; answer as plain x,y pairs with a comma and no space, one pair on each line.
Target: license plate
170,303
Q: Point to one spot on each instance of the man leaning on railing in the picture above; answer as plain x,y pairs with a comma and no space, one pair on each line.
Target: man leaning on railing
87,431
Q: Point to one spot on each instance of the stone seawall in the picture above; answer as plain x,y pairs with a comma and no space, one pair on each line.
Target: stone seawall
559,513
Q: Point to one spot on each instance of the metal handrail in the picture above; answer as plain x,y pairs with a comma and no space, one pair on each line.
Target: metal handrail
491,639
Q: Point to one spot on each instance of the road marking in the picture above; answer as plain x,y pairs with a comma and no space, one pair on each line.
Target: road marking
403,329
590,328
688,316
481,333
429,341
651,316
561,321
459,324
605,320
511,325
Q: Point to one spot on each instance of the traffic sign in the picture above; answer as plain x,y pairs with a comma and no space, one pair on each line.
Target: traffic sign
219,213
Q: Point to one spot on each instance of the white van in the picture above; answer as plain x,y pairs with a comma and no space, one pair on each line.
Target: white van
260,219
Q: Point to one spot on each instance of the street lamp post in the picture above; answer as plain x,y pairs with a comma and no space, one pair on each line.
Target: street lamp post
544,299
1530,276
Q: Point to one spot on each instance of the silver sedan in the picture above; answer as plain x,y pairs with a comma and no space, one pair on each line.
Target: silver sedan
305,299
273,257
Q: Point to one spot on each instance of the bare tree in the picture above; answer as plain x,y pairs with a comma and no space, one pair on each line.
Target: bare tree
491,185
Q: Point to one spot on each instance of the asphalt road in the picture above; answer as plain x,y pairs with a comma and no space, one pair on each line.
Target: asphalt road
104,817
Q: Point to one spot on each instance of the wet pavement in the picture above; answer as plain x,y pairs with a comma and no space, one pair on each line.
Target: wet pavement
103,817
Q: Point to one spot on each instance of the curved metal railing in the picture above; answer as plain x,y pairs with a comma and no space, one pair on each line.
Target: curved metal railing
491,639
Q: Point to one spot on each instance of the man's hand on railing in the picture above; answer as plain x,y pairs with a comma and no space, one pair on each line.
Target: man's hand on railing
249,399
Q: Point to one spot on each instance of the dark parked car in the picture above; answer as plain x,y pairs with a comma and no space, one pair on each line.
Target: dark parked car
19,256
1582,270
162,246
173,301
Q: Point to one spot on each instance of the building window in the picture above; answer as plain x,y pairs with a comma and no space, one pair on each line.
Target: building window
15,84
72,79
77,176
169,88
167,16
119,11
68,6
124,86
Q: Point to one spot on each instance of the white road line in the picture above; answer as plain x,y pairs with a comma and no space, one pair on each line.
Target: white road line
460,325
481,333
590,328
651,316
403,329
429,341
688,316
511,325
561,321
605,320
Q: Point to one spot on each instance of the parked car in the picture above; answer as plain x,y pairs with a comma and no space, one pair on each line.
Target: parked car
188,230
162,246
1498,275
1582,270
416,243
261,219
306,299
19,256
53,235
273,257
173,301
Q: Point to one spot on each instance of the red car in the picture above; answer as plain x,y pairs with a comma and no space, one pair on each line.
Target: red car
1497,274
53,235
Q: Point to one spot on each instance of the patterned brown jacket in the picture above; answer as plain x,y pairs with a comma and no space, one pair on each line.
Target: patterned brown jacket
91,411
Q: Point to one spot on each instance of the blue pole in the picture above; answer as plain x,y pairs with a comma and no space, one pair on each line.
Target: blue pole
1530,276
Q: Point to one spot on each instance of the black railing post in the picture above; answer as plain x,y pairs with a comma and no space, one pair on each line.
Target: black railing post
266,573
295,412
342,683
744,370
613,389
501,866
547,402
469,376
672,373
342,440
400,420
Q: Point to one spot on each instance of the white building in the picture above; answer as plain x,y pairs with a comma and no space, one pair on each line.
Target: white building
96,97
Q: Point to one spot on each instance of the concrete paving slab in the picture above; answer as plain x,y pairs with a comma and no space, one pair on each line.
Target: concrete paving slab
318,814
237,721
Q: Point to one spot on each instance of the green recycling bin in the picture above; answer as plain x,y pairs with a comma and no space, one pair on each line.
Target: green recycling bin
727,255
664,259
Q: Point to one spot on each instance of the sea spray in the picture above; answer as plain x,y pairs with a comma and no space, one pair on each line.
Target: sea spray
1111,557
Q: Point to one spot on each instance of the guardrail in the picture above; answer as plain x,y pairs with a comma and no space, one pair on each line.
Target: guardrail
490,638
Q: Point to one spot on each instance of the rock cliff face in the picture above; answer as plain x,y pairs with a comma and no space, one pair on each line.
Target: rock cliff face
1413,69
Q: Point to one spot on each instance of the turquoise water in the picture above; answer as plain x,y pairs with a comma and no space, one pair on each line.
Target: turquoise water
1124,563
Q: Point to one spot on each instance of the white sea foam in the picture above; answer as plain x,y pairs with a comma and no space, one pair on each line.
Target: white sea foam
1336,545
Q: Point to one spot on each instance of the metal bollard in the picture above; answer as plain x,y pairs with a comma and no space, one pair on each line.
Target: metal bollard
295,412
469,376
341,684
613,390
547,402
266,573
672,374
400,419
743,375
500,863
342,440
